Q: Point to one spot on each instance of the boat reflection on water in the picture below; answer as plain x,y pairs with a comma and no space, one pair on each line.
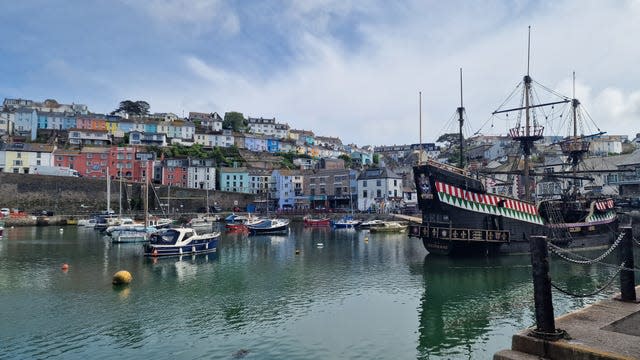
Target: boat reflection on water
467,299
183,267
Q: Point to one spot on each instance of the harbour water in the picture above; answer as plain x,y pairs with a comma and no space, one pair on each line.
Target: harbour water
345,294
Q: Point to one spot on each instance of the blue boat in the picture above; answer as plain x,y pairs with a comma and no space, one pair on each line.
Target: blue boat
269,226
180,241
346,222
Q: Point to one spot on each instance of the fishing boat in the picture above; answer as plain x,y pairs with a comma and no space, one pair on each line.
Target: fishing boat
311,221
180,241
269,226
461,217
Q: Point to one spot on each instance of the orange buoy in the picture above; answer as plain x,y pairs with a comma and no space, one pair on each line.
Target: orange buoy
65,267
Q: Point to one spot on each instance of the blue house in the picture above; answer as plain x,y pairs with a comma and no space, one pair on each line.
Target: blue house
273,145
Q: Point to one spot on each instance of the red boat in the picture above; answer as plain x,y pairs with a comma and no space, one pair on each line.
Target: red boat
309,221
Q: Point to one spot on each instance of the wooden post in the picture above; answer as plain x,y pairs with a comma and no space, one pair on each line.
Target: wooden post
625,255
542,287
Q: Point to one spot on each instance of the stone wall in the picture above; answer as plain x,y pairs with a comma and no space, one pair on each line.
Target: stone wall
69,195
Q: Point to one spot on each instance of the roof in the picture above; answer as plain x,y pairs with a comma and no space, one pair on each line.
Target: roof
378,173
28,147
631,159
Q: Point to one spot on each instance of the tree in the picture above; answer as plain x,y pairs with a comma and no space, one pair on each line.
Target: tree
347,160
133,107
376,159
234,121
449,139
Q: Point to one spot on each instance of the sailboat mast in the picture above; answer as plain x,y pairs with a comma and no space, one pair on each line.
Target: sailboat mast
120,195
146,195
461,123
108,192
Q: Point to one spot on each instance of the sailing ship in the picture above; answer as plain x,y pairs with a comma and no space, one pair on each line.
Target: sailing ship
461,217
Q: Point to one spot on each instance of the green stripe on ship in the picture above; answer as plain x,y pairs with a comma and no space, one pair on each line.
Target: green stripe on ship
490,209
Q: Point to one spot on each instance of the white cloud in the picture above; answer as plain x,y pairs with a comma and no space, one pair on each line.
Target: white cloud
369,94
199,14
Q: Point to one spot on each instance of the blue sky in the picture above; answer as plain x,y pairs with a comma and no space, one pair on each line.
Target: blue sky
351,69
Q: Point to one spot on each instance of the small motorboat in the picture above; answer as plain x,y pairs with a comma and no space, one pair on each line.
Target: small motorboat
389,226
1,228
310,221
130,233
346,222
370,224
269,226
180,241
87,222
203,223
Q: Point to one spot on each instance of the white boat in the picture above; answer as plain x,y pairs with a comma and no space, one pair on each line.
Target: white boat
180,241
370,223
389,226
204,222
87,222
1,228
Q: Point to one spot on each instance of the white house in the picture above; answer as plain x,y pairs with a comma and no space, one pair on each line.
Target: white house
379,189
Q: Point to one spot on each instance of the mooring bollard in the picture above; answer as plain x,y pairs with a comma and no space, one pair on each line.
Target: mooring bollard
545,321
627,277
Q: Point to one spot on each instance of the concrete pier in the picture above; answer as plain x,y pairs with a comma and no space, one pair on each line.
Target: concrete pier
608,329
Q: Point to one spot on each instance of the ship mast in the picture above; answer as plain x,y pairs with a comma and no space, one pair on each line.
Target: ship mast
420,132
531,131
461,122
576,147
527,140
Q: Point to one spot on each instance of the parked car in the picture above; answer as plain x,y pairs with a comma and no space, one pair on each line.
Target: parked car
42,213
5,211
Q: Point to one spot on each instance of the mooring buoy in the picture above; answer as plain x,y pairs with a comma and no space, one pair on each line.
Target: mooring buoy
122,277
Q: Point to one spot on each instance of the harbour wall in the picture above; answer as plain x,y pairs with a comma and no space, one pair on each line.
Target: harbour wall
77,196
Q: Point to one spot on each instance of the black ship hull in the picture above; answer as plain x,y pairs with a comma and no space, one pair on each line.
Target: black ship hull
460,218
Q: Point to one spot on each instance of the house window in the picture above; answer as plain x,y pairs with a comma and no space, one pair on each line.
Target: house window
364,194
378,182
379,193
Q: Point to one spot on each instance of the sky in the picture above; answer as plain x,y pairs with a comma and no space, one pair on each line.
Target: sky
351,69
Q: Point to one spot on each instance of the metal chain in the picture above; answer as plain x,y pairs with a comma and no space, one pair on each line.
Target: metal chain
559,252
606,285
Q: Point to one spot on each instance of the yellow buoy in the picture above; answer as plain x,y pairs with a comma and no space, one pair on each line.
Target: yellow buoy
122,277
